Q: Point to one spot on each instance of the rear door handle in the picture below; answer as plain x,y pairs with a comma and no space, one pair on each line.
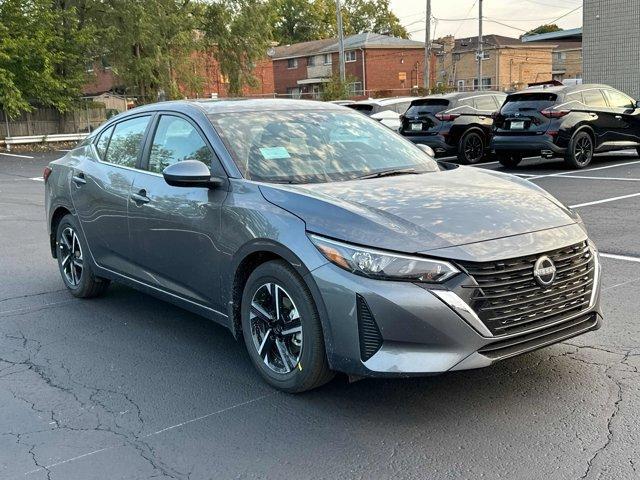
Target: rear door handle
141,197
79,179
618,117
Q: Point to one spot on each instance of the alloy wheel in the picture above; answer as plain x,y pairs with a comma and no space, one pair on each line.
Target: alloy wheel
473,149
71,255
276,328
583,150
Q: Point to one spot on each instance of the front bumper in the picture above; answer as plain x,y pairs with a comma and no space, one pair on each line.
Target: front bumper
423,331
437,142
526,144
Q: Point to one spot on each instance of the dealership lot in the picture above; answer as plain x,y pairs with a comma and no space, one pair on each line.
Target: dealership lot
126,386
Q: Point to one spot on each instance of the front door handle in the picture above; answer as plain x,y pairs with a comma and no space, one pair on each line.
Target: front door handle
141,197
79,179
618,117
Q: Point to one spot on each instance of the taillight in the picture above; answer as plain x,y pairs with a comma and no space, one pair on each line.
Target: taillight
447,117
550,113
45,174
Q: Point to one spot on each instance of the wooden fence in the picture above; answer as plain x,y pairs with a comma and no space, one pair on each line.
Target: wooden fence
44,121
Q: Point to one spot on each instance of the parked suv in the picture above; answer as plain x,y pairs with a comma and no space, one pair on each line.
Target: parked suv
573,122
385,110
454,123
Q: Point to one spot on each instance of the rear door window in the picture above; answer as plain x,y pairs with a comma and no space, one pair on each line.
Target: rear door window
485,103
420,108
126,142
594,98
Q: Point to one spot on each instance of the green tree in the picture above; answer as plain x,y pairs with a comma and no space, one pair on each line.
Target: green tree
42,54
543,29
240,32
304,20
336,89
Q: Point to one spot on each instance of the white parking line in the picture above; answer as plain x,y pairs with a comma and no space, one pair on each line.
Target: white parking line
605,200
620,179
37,179
15,155
626,258
562,174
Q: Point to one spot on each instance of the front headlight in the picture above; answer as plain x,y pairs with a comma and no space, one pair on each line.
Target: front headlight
383,265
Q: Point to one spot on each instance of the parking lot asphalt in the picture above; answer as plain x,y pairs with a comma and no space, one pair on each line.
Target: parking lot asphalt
129,387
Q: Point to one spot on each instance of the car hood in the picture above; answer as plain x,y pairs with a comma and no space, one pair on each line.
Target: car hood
418,213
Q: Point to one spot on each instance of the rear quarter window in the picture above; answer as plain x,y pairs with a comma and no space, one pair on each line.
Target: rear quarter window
485,103
594,98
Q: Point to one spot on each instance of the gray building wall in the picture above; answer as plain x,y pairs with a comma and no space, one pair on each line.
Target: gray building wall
611,44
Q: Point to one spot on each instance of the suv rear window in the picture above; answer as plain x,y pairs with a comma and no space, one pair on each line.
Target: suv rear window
529,101
423,107
362,107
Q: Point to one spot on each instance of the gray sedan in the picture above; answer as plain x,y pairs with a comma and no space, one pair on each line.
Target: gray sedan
322,239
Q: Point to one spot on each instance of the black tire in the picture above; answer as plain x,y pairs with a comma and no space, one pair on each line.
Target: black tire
471,149
311,368
509,160
580,151
75,269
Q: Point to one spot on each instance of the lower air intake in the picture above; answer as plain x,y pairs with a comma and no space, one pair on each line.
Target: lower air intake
368,331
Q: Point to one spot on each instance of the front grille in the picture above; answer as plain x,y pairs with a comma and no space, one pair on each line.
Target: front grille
509,300
369,333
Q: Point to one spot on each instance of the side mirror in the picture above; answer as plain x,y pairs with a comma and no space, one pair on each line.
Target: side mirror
190,173
638,104
426,149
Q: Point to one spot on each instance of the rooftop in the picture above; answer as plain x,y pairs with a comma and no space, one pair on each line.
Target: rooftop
330,45
573,34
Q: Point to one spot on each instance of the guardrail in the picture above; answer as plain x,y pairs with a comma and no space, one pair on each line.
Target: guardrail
58,137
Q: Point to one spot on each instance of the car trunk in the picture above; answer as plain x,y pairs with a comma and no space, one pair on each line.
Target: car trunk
521,114
420,118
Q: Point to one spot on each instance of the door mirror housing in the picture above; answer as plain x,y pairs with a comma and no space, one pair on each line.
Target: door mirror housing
190,173
426,149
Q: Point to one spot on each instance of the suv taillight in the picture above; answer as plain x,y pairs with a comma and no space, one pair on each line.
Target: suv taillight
447,117
45,174
550,113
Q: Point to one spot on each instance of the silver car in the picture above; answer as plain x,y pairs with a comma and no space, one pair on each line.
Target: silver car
322,239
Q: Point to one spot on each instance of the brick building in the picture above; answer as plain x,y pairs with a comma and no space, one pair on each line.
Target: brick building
379,65
567,52
508,64
611,40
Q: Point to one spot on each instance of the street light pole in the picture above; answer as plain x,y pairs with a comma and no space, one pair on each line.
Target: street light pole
427,50
480,53
343,75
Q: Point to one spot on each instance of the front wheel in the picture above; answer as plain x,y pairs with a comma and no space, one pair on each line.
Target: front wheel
509,160
74,268
282,330
471,149
580,151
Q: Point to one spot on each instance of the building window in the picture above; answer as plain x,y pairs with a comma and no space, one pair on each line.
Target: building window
327,59
355,88
486,83
485,55
311,61
456,57
350,56
460,85
292,63
294,92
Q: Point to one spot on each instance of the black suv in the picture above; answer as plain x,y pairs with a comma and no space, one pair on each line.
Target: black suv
573,122
453,123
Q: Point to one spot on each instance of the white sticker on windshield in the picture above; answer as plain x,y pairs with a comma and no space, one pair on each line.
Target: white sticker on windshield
274,153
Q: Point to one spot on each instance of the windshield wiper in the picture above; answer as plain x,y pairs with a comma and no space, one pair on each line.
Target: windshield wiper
390,173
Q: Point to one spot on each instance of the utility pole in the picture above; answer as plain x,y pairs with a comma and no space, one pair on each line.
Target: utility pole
427,50
480,53
343,75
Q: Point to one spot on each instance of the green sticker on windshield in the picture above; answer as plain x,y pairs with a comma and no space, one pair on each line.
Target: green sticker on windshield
274,153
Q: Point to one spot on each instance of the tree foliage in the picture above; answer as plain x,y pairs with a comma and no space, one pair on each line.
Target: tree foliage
543,29
305,20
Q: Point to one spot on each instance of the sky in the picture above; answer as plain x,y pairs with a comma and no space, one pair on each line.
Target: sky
516,16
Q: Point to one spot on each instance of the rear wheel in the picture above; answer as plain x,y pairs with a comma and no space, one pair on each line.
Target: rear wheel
282,329
74,268
509,160
471,149
580,151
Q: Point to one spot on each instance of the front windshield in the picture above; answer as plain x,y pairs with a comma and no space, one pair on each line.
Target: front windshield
315,146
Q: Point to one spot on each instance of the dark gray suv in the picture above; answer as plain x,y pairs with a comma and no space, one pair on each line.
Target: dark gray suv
324,240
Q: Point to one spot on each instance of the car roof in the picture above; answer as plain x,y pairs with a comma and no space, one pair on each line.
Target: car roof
562,89
229,105
385,101
458,95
